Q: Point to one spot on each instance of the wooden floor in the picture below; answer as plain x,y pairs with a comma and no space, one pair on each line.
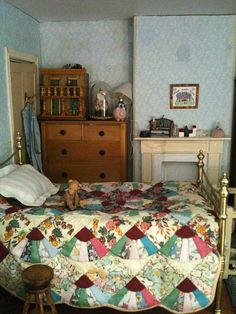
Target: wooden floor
11,305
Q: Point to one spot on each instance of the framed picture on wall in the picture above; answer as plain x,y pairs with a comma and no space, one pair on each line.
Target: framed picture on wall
184,96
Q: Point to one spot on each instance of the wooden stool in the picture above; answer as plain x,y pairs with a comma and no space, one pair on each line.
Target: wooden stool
36,279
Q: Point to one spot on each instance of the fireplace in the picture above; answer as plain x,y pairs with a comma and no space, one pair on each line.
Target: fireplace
175,167
175,158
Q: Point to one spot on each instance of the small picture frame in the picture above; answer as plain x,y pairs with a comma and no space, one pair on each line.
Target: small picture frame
184,96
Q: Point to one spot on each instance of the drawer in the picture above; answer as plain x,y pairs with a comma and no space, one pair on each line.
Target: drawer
84,172
82,151
63,131
101,132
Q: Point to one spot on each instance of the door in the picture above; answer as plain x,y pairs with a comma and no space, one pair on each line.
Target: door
23,85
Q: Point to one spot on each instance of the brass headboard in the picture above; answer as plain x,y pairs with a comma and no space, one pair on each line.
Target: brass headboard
17,152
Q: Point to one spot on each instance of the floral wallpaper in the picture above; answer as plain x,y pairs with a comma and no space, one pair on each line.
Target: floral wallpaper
163,50
102,47
184,49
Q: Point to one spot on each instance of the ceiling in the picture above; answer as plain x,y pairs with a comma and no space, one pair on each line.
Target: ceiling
80,10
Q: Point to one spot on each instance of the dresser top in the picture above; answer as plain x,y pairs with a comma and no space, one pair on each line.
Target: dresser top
75,120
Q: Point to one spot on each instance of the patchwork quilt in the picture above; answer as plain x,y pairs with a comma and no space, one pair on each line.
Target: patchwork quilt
129,246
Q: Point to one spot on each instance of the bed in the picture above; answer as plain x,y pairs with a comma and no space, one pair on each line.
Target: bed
129,246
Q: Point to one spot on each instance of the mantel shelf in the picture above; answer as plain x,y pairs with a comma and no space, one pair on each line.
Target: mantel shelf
180,149
196,138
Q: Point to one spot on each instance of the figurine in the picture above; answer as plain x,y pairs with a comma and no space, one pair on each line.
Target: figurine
101,106
71,194
153,123
119,113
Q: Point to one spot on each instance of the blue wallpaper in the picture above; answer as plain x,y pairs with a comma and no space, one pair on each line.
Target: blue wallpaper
184,49
167,50
102,47
21,33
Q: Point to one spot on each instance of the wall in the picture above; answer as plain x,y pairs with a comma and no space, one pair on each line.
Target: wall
181,49
102,47
184,49
20,33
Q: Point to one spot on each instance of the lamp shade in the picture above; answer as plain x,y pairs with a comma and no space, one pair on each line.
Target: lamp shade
125,90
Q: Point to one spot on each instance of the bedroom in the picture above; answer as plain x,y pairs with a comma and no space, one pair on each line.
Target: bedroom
208,60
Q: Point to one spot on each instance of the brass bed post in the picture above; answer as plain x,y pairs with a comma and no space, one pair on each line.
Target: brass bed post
223,215
200,166
17,152
19,148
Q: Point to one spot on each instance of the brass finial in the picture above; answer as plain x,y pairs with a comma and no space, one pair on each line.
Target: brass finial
200,155
224,184
19,147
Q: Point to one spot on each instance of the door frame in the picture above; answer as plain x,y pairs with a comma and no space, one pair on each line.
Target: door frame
11,54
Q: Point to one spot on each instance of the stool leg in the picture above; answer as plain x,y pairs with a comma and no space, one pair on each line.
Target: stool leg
40,297
26,304
50,301
37,302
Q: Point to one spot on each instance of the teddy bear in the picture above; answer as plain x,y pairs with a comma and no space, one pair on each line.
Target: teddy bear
71,196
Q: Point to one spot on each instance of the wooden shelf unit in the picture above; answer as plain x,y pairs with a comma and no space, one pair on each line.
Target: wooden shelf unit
64,93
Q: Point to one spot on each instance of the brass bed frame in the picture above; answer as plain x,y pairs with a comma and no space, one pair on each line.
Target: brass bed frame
216,197
17,152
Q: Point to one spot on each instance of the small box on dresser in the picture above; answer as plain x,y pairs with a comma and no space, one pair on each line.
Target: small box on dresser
90,151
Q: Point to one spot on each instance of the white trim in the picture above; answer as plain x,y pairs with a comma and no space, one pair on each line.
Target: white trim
13,54
21,56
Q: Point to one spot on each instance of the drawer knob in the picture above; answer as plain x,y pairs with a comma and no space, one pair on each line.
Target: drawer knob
102,152
64,151
102,175
63,132
101,133
64,174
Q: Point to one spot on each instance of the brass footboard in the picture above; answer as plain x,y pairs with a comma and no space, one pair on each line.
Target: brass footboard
217,199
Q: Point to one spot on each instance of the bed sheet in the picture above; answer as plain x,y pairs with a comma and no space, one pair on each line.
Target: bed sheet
129,246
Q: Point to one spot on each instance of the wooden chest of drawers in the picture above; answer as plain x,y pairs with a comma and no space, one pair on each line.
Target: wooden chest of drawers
90,151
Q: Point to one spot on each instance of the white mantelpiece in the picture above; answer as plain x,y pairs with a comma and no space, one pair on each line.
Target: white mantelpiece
154,151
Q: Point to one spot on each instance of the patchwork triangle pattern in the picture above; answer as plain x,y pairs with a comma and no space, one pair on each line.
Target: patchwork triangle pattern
134,295
129,246
185,245
186,295
34,248
3,252
84,247
132,245
87,292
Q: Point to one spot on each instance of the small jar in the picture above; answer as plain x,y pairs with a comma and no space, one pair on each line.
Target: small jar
217,132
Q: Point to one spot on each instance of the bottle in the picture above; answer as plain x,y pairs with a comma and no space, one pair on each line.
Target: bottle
186,131
175,130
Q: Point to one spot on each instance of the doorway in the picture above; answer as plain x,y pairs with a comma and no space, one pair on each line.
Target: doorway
22,82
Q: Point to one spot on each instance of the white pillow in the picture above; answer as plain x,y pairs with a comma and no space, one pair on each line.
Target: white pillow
26,184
